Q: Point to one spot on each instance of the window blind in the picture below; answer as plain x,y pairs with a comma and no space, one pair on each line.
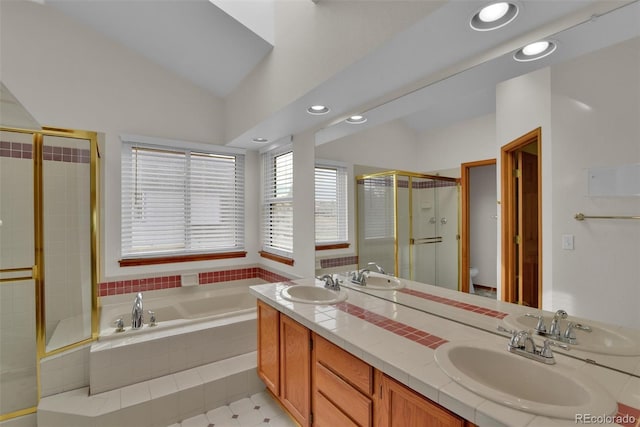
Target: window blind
379,205
177,201
331,204
277,201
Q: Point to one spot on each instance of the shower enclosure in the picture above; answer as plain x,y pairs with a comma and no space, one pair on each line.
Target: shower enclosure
48,254
408,224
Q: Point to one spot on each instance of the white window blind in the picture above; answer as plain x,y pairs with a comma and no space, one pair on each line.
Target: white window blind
378,200
178,201
331,204
277,201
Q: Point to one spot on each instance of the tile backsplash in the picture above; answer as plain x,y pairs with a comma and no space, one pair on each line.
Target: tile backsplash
173,281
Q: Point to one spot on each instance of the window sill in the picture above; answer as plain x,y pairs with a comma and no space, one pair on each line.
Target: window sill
132,262
276,258
332,246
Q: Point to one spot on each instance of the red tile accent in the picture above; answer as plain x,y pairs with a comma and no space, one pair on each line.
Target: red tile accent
398,328
454,303
628,416
166,282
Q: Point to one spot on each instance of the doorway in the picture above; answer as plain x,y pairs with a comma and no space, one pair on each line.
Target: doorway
521,220
478,227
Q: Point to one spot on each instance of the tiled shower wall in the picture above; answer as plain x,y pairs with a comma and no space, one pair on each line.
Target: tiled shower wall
67,229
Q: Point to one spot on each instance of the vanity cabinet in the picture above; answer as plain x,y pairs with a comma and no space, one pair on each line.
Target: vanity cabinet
342,387
322,385
295,376
403,407
284,358
269,346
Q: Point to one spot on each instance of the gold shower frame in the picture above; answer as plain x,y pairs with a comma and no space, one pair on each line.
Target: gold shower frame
37,271
410,175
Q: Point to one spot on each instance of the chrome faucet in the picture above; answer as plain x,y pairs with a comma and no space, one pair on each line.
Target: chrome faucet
137,313
555,332
554,329
359,277
521,343
377,267
330,282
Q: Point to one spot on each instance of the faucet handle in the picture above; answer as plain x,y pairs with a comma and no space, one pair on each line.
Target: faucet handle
152,318
545,351
540,327
119,324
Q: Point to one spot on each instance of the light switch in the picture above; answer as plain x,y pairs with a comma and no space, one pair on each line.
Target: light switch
567,242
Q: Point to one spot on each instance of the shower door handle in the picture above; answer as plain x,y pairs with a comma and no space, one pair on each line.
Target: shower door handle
425,240
16,278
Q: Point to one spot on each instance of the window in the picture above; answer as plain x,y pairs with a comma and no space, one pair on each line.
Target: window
331,204
179,202
378,202
277,202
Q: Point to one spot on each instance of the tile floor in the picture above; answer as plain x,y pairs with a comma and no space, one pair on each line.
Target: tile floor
258,410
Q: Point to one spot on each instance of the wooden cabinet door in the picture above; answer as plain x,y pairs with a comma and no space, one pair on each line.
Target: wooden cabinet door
402,407
269,346
295,369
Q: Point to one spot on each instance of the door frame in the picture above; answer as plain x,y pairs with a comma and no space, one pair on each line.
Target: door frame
465,212
509,208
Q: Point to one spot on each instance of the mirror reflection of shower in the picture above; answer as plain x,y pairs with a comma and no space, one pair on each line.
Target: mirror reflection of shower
408,224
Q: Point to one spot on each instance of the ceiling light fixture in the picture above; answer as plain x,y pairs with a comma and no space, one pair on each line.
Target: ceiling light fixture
536,50
356,119
494,16
260,140
318,110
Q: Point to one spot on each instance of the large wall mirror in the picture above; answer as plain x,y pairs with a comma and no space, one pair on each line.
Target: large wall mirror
585,100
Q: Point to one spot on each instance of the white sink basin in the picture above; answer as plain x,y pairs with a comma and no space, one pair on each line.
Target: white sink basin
312,294
509,379
379,281
601,339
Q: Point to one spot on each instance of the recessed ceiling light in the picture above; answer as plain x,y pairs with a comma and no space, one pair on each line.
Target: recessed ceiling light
318,109
260,140
536,50
494,16
356,119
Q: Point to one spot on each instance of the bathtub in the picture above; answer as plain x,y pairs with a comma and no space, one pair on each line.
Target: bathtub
178,307
195,326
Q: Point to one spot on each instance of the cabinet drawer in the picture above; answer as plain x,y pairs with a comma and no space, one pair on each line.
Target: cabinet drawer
346,398
350,368
327,415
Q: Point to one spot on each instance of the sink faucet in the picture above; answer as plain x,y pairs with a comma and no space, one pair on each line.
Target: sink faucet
555,332
360,277
554,329
137,312
330,282
377,267
521,343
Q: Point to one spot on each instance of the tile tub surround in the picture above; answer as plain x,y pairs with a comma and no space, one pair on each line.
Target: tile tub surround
128,286
413,364
158,402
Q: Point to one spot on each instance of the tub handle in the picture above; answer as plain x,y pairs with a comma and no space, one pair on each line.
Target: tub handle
152,318
119,325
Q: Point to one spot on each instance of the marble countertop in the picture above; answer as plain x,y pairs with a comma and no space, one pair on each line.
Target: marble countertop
401,342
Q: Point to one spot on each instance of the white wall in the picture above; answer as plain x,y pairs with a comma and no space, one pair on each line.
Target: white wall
67,75
389,146
595,109
467,141
522,105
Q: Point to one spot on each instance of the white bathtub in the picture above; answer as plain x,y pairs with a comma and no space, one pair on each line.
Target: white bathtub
178,307
196,326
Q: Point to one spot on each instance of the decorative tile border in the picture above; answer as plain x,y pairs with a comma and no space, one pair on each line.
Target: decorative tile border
165,282
469,307
18,150
338,262
398,328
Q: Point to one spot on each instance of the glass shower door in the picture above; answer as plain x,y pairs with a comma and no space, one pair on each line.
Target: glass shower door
18,355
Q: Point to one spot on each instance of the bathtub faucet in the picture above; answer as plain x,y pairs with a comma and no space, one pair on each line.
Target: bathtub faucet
137,312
